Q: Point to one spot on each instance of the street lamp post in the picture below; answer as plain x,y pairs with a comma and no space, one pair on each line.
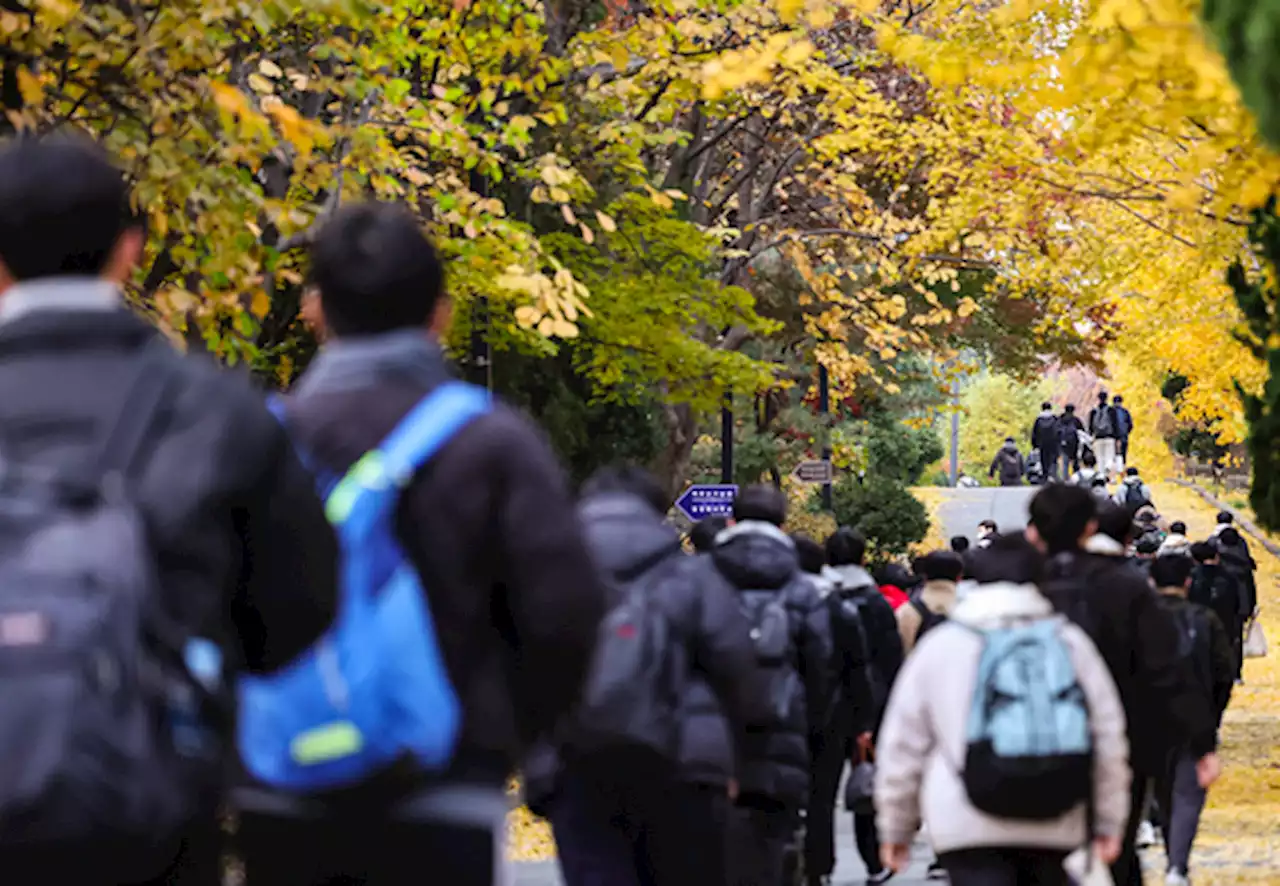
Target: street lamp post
726,439
824,407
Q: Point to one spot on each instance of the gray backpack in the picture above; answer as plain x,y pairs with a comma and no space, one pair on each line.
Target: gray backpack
775,646
106,736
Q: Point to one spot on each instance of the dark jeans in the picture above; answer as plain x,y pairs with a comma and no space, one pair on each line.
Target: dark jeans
1181,802
639,833
1050,462
372,851
868,840
759,833
1127,871
831,755
1005,867
1122,449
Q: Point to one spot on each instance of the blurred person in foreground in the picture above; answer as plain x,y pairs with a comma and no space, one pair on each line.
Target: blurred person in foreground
488,524
239,552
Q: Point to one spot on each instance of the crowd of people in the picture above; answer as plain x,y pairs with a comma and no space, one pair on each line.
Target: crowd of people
350,621
1063,447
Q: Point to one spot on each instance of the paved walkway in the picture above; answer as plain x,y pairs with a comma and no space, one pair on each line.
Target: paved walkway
964,509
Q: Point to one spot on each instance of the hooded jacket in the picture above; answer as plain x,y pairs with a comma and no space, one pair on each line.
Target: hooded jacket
1123,492
1008,464
1069,429
629,542
1238,560
923,742
759,559
1175,543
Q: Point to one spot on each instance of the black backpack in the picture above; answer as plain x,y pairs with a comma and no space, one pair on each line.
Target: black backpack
928,618
1134,498
1195,644
853,645
108,738
773,637
1067,590
631,700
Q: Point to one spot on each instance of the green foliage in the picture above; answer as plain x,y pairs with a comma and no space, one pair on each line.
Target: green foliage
1248,33
1259,298
899,452
883,510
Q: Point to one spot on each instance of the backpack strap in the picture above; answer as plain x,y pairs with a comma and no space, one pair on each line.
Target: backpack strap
325,479
137,417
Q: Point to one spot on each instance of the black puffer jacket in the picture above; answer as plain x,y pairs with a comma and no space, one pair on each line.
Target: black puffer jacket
1216,587
868,648
626,537
759,559
1237,560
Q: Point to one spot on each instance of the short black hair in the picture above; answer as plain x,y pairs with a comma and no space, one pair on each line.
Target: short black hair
1171,570
628,480
940,566
896,575
1071,407
1226,518
761,501
376,270
1089,460
1117,399
812,556
1230,537
846,547
704,532
1010,558
1131,472
1061,514
1178,528
1204,552
63,207
1115,522
1147,546
1102,395
989,524
1047,406
959,544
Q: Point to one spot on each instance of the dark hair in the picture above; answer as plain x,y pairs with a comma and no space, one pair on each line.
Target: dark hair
1061,514
812,556
628,480
763,502
1089,460
704,532
1147,546
1071,407
376,270
1171,570
1102,395
63,207
1226,518
1010,440
940,566
1131,472
989,524
846,547
1046,406
1230,537
1009,558
959,544
1115,522
1117,399
1204,552
896,575
1178,528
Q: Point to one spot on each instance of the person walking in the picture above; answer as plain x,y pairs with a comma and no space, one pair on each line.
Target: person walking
791,629
1176,542
1137,639
623,813
1234,556
1069,430
1104,427
1008,463
989,826
489,526
932,604
1124,429
1182,787
155,481
1134,494
703,534
868,654
1046,436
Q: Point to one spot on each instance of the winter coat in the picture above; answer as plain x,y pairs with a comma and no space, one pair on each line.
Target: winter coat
1175,543
1009,464
938,597
1069,428
1219,589
629,541
489,524
1238,560
896,596
759,559
923,743
1124,422
1117,607
1122,494
1213,649
856,589
1045,434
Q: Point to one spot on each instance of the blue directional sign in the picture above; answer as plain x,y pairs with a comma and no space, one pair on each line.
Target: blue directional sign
707,501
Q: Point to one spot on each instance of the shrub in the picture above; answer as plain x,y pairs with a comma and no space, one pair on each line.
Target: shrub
883,510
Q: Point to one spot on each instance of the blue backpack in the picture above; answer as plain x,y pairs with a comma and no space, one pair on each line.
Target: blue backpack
1030,751
374,689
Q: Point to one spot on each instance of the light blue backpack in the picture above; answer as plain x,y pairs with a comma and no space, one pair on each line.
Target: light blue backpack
1030,750
374,689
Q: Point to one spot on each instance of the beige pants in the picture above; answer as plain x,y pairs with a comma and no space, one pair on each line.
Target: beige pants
1108,456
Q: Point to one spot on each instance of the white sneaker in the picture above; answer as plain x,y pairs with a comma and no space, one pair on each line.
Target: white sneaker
1146,835
1173,878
